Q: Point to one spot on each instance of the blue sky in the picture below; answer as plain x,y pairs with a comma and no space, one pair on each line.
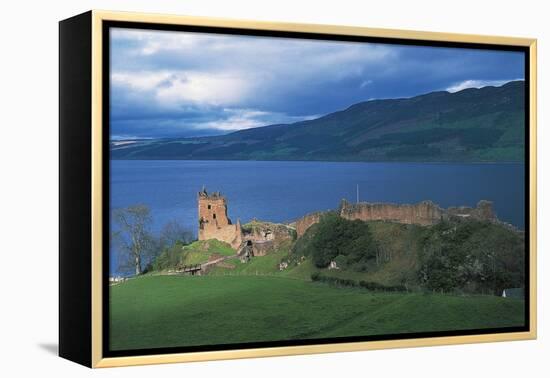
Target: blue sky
180,84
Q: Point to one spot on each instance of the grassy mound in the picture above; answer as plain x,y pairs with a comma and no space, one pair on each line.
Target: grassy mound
197,252
167,311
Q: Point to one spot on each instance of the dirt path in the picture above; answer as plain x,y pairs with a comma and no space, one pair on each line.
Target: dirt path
219,260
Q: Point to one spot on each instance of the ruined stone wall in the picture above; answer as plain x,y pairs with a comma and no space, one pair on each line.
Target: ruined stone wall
266,237
483,211
307,221
230,234
262,248
424,213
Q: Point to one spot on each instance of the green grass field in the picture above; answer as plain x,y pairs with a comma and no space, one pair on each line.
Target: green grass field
169,311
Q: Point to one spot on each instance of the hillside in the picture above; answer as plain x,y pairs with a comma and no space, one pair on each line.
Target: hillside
461,256
484,124
464,256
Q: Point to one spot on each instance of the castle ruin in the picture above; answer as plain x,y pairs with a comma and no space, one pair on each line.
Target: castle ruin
425,213
259,238
214,222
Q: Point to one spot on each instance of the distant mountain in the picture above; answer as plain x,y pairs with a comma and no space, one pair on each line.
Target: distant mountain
484,124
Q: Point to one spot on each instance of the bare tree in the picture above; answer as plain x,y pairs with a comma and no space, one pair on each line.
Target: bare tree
133,237
174,232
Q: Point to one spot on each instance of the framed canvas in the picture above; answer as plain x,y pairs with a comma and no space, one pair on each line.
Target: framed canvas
234,189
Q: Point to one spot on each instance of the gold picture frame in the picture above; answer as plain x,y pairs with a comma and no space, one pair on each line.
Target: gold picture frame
91,24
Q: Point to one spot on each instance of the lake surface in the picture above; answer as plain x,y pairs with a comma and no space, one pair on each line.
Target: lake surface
284,191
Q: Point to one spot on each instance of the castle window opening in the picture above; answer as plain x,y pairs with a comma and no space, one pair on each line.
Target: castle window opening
214,223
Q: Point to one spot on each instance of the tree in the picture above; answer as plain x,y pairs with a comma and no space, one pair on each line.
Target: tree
349,240
133,237
168,245
172,233
472,256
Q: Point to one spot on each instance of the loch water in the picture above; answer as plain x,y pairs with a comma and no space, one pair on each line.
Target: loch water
281,191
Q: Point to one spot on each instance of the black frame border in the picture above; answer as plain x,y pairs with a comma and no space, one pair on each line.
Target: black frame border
75,198
107,25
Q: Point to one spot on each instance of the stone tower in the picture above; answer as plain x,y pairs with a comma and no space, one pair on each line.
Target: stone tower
214,222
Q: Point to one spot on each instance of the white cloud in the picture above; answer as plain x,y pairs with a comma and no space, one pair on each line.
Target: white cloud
143,81
365,83
268,58
476,84
211,89
153,41
180,88
241,119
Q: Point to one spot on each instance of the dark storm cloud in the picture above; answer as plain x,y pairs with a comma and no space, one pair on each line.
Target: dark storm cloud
185,84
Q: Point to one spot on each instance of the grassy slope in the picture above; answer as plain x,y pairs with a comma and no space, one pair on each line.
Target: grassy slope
197,252
261,265
164,311
398,240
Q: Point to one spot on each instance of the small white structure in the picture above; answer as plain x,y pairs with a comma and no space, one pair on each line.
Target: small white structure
117,279
333,265
283,265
